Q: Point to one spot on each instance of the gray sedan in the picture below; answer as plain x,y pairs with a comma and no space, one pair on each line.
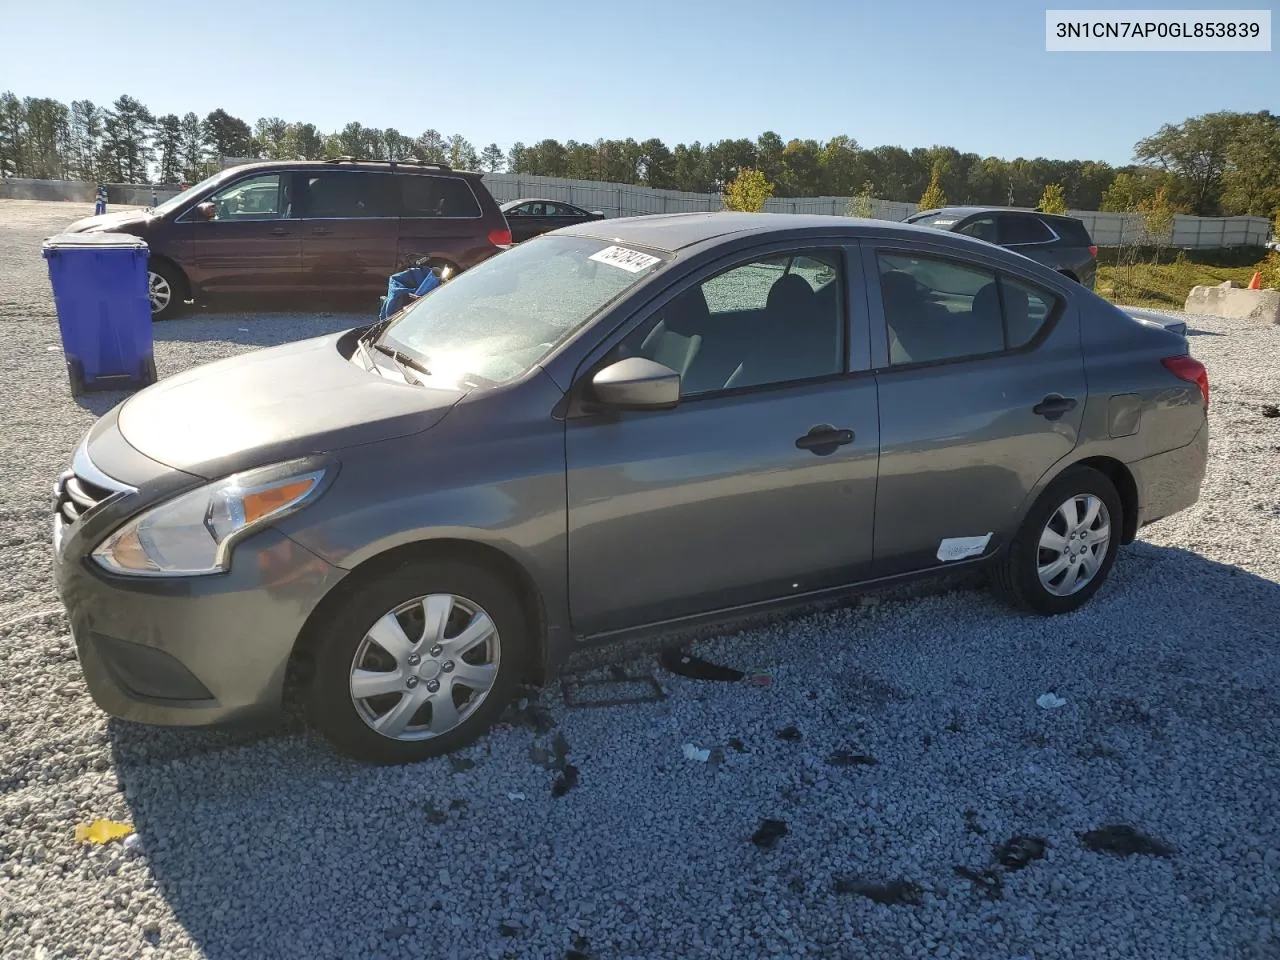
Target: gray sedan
610,432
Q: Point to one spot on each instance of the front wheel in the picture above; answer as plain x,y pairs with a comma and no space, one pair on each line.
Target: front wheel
418,662
166,290
1065,547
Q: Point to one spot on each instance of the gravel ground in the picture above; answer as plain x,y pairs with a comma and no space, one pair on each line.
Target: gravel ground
917,752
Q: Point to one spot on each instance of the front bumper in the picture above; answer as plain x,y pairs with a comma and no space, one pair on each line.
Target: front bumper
189,650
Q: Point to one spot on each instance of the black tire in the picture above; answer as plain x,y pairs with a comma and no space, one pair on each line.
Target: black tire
1015,577
178,286
329,701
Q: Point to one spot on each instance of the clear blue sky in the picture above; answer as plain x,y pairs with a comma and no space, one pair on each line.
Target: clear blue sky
973,75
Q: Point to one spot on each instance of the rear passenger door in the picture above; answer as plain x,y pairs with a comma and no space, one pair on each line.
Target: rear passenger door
747,490
441,218
350,228
982,390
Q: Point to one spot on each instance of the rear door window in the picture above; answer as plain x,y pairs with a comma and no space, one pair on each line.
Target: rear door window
351,195
983,228
1016,229
431,196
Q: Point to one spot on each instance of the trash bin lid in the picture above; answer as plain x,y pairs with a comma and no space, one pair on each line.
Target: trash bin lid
99,241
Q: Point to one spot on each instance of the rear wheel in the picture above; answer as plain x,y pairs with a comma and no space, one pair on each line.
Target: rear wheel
418,662
166,290
1065,547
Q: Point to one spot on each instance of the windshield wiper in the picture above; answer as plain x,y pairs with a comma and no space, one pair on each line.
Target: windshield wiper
405,362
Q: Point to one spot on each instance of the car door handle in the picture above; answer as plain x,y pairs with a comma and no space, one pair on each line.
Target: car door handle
824,439
280,232
320,231
1053,406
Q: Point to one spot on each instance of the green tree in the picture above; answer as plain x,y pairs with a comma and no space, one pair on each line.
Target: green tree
933,197
1251,180
126,143
1054,199
748,191
518,158
228,136
169,146
308,142
1121,196
492,158
194,160
13,136
84,140
430,146
1196,150
274,137
860,204
657,165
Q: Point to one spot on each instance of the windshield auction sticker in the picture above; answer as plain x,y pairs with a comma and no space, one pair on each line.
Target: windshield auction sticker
1158,30
632,261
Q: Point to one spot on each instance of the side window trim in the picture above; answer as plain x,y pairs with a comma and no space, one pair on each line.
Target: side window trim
1052,238
855,313
878,322
466,181
189,215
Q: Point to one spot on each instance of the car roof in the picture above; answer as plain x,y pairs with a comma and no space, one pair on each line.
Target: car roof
677,231
344,163
511,203
968,210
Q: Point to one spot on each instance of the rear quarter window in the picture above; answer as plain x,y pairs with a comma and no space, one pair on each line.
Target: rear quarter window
431,196
1073,231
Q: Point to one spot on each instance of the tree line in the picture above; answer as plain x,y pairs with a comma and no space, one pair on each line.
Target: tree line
1222,163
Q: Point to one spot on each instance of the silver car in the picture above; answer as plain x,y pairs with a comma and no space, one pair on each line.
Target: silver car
609,433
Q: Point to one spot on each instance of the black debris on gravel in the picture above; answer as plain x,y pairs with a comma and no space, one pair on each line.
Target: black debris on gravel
1123,840
891,893
768,833
973,824
791,734
567,780
1016,852
510,929
847,758
737,745
580,949
685,664
461,764
1271,411
988,882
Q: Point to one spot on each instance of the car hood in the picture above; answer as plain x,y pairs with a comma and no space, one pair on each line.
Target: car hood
110,222
272,405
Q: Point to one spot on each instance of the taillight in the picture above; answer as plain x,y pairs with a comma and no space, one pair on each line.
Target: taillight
1190,370
1093,250
500,237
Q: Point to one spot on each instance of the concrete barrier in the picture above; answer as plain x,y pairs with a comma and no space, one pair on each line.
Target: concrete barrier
1228,299
122,194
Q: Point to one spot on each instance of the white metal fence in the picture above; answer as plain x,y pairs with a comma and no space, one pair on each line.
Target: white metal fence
629,200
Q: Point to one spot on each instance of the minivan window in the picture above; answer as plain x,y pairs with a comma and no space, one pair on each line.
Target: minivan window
189,194
254,198
350,195
494,322
1022,228
428,196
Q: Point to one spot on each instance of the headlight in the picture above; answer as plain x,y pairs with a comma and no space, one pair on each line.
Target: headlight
193,533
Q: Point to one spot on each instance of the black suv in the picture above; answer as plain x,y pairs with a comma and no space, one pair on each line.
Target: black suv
1060,242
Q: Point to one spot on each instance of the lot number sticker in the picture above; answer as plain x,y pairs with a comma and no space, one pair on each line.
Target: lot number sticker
959,548
632,261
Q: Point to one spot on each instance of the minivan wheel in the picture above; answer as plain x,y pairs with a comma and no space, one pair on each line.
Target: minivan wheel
418,662
1065,547
166,290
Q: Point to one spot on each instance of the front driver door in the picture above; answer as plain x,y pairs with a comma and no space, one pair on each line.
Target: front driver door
253,242
724,500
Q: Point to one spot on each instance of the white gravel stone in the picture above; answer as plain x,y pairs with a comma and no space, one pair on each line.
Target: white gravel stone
256,843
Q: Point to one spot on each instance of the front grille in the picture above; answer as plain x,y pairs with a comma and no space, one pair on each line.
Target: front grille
74,496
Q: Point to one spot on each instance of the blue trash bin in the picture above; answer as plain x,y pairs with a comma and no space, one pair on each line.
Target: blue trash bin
99,285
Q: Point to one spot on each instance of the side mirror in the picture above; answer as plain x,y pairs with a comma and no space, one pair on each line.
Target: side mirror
206,211
637,384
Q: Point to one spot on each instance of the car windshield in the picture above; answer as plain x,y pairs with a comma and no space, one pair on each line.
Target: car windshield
494,322
173,203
